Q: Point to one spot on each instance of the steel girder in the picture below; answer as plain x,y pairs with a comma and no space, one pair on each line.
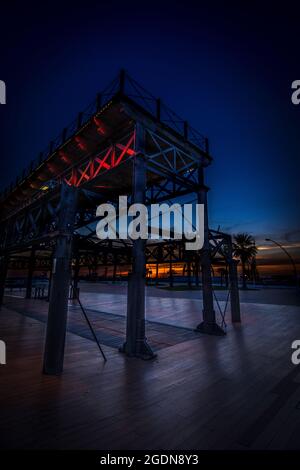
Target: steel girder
172,168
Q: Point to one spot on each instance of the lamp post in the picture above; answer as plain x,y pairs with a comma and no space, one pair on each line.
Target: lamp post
289,256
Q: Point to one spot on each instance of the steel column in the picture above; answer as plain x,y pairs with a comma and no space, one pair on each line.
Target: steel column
30,273
3,273
234,292
136,342
208,325
197,272
61,274
76,275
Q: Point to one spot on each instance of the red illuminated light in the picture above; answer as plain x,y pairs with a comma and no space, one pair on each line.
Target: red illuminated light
112,157
64,157
128,150
100,126
80,142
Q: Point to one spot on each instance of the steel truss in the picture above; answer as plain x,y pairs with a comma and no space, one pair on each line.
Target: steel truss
127,144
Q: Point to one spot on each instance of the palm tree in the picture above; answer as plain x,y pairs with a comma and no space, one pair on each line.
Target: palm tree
245,249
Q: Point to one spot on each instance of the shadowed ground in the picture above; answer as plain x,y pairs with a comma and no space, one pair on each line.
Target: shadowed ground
202,392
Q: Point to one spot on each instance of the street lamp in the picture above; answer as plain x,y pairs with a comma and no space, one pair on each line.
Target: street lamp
289,256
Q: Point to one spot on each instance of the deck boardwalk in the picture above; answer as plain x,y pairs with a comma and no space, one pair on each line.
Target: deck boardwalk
236,392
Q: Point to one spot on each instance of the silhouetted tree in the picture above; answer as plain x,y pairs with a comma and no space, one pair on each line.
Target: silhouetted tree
244,248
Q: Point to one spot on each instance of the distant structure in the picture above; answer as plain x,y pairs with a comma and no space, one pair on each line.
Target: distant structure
125,143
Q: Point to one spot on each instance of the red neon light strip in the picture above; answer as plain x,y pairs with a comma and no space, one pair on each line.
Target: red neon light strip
122,147
124,151
102,163
90,173
80,142
100,127
84,174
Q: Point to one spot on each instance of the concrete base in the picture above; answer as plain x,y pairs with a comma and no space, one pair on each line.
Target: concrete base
210,329
143,351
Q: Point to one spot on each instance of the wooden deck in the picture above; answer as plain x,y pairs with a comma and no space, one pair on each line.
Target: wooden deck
236,392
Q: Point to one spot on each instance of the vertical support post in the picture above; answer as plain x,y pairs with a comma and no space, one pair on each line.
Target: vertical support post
208,325
226,277
234,287
197,272
61,274
136,342
30,273
4,259
75,293
50,278
3,273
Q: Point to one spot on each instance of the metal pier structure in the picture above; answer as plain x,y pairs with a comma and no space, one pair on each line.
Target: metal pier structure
127,142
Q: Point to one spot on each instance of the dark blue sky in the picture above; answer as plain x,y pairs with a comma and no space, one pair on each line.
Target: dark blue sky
226,69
